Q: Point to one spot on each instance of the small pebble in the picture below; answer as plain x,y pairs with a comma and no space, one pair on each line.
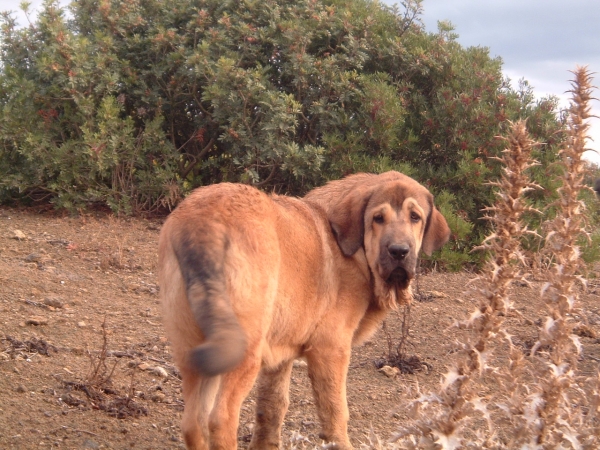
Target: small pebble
19,235
390,372
158,397
160,372
88,443
36,320
54,302
300,363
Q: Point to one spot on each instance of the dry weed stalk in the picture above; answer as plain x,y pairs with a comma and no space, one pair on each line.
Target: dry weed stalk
97,386
441,418
555,421
100,375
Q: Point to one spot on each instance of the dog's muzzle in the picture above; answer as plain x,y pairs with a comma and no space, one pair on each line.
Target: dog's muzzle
398,276
399,265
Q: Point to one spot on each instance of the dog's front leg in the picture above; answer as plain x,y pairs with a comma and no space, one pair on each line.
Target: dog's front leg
272,401
327,369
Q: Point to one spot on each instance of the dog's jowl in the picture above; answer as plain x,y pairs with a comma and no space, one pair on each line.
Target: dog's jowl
251,281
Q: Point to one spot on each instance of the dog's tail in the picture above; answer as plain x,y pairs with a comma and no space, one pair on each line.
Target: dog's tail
225,341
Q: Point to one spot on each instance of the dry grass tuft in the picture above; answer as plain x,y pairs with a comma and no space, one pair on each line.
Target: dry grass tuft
97,386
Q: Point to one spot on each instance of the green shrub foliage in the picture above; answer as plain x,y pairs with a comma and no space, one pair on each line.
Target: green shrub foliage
132,104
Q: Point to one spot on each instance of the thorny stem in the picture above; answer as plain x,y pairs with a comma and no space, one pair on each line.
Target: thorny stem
559,294
504,243
554,412
457,400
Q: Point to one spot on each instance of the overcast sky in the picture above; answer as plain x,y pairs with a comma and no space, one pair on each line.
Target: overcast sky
539,40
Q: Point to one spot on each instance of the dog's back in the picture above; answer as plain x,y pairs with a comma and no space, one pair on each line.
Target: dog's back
225,254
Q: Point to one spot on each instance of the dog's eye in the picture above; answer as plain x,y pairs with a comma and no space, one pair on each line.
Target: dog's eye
415,217
378,218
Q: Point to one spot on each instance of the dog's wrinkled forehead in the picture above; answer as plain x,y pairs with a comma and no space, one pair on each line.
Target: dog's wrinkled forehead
395,193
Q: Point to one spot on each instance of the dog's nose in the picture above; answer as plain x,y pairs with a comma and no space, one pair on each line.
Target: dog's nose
398,251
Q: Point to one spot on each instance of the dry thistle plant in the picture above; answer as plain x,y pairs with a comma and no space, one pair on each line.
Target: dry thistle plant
441,419
557,408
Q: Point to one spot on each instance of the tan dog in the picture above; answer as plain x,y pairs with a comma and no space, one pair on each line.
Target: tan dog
249,282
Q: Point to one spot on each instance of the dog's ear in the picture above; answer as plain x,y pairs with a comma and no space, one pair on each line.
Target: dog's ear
437,232
347,219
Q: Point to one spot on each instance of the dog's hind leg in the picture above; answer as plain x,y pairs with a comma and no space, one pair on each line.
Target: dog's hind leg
199,396
272,402
225,416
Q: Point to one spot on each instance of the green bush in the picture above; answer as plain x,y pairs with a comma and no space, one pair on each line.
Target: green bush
133,104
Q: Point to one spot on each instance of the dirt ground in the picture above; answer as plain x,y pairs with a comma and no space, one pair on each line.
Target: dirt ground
73,289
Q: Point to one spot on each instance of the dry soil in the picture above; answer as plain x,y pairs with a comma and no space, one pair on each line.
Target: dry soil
84,361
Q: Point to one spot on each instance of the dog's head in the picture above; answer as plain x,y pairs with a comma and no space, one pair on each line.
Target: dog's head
391,217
